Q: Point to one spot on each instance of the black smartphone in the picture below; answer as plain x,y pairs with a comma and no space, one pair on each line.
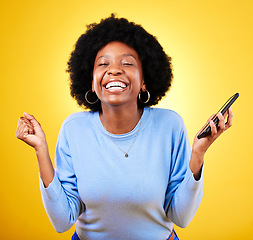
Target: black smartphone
207,129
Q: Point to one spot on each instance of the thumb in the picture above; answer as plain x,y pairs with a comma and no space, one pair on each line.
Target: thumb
33,121
31,118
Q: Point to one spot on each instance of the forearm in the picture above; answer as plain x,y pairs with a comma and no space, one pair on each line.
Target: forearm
196,164
61,198
45,165
30,131
61,210
200,146
186,200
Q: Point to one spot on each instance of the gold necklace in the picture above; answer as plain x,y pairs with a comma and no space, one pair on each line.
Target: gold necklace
126,152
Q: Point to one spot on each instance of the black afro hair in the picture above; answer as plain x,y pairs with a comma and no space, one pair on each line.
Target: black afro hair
156,64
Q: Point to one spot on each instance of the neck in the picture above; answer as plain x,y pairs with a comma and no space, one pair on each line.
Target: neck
118,120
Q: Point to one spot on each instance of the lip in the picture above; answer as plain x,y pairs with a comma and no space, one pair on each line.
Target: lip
115,90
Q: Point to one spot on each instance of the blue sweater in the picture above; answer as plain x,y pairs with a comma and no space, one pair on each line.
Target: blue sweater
111,197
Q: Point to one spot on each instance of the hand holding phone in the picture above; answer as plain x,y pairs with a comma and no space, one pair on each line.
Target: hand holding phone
207,129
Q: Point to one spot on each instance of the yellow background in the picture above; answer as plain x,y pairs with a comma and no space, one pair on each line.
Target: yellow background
211,46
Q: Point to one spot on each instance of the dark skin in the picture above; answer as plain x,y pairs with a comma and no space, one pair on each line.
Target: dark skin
117,80
118,122
117,62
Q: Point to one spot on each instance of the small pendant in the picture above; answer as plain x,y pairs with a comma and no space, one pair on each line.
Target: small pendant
126,155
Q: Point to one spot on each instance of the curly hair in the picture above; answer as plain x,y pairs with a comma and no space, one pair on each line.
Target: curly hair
156,64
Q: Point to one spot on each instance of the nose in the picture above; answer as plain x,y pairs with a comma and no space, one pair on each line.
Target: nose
114,70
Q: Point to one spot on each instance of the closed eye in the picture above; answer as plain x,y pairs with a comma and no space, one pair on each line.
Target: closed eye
102,64
127,64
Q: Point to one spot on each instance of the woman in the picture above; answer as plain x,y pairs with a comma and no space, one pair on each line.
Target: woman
124,170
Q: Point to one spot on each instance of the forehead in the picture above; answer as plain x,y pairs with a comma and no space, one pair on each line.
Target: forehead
117,49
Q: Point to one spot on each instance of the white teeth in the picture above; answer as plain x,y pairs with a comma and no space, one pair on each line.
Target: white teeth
115,85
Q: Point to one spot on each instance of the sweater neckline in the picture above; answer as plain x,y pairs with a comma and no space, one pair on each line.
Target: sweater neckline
145,117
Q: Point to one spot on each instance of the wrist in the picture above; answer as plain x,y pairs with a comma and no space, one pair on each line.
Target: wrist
196,164
198,154
41,148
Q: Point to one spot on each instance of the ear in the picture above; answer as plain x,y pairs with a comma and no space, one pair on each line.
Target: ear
92,86
143,86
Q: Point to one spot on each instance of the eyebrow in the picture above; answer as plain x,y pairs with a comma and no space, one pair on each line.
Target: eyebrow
123,55
129,55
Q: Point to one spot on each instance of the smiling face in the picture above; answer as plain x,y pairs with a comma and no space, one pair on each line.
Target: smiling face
117,75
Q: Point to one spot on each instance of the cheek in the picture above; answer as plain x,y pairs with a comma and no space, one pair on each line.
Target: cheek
96,81
139,79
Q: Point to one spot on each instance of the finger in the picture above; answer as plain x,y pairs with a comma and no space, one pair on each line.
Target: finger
34,122
31,118
24,135
25,131
208,121
30,130
25,121
22,132
213,128
221,126
230,119
225,114
24,128
211,118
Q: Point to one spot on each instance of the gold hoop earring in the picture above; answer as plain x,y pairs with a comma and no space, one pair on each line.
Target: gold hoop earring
139,96
86,95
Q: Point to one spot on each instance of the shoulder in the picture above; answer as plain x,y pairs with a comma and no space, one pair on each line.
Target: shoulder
77,124
166,122
169,123
77,118
166,115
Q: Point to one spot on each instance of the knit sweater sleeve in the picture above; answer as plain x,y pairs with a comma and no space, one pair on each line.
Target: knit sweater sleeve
61,198
184,193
